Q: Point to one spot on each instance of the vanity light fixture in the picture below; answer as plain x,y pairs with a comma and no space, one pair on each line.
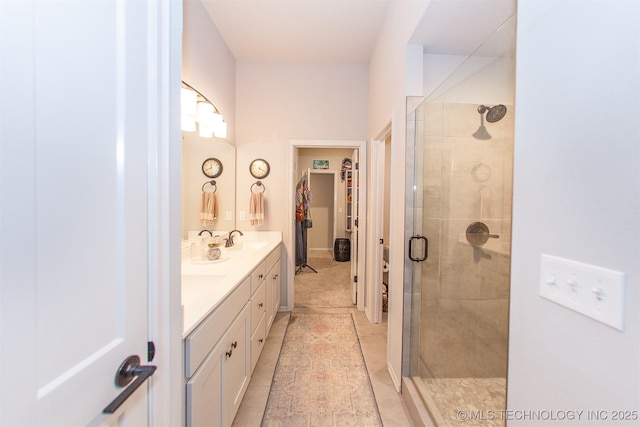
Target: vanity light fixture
195,107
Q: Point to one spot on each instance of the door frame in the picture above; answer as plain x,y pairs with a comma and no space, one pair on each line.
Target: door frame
361,145
375,228
166,388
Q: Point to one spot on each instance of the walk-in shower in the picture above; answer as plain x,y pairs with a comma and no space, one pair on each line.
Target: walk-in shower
462,189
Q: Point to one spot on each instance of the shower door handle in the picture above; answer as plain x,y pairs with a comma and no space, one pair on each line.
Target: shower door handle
412,241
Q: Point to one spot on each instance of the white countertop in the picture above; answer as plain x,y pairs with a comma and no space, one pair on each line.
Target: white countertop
206,285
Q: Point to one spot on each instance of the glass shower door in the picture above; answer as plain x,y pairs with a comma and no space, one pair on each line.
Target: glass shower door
461,147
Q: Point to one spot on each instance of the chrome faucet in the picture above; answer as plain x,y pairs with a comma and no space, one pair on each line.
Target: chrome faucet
230,238
210,233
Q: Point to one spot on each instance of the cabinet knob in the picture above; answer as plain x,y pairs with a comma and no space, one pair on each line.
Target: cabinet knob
260,276
275,277
261,340
260,305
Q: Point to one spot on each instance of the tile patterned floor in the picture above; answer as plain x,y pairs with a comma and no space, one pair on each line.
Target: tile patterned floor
321,378
373,341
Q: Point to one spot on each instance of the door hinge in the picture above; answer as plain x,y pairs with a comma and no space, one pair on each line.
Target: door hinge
151,351
382,241
358,166
355,279
355,222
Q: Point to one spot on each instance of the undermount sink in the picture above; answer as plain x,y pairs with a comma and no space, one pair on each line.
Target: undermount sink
206,261
254,246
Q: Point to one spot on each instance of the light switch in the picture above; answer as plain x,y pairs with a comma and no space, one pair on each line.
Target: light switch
594,291
243,216
229,215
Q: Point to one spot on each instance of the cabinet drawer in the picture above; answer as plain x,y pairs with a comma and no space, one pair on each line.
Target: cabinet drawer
198,344
272,258
257,342
258,305
257,276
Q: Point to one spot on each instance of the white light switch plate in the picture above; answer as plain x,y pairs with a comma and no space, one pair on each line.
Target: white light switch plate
593,291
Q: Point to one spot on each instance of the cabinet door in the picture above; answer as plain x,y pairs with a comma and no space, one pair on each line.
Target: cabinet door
273,294
204,392
236,367
257,342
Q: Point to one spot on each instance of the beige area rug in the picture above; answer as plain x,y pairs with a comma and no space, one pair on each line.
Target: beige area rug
321,378
329,287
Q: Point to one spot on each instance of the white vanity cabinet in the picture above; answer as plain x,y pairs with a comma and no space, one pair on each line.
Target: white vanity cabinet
218,363
223,344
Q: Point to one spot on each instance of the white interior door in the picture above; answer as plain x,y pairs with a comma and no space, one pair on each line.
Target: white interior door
74,152
375,213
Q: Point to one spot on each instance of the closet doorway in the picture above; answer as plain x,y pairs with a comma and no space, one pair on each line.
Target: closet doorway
324,211
329,214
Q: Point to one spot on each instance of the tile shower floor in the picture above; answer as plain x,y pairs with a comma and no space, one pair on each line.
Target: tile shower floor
465,401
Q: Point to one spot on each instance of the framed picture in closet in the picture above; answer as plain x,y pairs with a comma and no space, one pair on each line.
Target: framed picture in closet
321,164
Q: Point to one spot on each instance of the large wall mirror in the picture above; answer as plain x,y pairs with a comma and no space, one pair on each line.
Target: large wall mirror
195,150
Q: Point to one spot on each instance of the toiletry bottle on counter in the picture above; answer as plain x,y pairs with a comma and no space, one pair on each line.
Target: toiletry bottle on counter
210,252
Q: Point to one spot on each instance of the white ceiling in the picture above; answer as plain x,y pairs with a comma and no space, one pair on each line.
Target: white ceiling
345,31
459,27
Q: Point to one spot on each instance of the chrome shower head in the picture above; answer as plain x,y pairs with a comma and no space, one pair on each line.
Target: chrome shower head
482,132
494,113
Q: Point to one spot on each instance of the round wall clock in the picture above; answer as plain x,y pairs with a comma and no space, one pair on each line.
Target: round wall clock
212,167
259,168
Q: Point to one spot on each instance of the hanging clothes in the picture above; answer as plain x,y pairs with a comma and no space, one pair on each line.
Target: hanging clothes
303,201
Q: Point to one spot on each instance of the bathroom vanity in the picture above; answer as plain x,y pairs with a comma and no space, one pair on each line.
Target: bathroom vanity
229,306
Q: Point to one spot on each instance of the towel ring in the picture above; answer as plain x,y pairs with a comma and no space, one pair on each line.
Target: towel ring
212,182
259,184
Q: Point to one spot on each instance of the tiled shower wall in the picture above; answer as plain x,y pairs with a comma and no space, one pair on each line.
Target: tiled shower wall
465,290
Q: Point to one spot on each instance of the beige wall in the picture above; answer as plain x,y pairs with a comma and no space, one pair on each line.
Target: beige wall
280,102
387,103
577,196
322,212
